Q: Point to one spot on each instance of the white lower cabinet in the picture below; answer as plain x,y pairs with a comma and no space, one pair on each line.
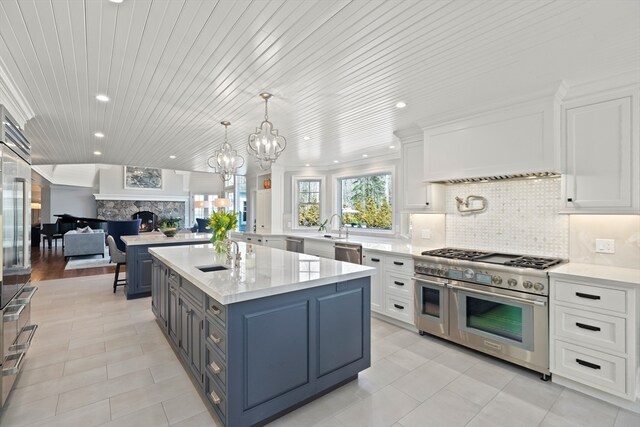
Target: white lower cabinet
594,333
391,287
373,259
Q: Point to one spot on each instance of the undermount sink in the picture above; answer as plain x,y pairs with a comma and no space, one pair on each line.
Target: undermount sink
329,236
208,268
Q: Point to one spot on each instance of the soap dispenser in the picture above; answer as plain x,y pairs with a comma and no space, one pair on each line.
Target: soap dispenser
250,259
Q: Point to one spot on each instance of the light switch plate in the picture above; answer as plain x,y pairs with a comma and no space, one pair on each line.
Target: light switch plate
605,246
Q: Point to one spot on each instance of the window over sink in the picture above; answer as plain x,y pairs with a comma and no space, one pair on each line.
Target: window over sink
366,201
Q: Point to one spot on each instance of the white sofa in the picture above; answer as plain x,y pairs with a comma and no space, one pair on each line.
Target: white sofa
78,243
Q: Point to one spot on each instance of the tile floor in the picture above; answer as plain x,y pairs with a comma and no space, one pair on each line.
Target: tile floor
98,359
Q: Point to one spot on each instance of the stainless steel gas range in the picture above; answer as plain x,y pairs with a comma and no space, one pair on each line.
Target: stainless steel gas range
492,302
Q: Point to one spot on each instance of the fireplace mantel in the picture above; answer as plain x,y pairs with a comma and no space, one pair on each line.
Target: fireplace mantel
142,197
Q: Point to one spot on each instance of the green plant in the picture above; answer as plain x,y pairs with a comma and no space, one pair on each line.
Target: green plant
323,225
170,222
220,223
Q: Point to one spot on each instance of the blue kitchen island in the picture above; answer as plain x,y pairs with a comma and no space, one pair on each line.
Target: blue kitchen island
265,337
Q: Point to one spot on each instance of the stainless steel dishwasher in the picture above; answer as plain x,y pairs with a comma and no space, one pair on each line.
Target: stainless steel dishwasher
294,244
348,252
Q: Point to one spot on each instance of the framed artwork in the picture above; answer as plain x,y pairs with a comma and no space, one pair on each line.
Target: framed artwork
147,178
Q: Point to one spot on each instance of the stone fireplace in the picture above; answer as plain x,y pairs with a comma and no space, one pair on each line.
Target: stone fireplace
124,209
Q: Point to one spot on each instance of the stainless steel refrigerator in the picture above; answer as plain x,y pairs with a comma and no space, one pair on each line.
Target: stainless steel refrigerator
16,330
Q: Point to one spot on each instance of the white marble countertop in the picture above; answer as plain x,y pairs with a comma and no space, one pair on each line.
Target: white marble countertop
161,239
276,271
380,244
605,273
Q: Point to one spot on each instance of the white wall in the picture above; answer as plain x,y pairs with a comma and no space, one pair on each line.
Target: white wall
203,183
623,229
76,201
111,181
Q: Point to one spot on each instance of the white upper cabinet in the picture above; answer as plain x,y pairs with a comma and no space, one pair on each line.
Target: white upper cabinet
519,139
601,153
417,195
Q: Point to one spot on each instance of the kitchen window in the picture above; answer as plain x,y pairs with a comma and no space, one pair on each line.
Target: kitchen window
366,201
308,192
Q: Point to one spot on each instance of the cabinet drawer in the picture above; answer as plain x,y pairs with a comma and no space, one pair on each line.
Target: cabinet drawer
591,329
399,285
591,296
216,396
215,366
217,311
216,338
196,294
399,264
174,278
399,308
590,367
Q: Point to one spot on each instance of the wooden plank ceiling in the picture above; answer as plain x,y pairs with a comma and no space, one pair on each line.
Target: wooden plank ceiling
175,68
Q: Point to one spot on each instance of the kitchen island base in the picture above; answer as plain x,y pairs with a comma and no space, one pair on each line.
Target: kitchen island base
258,359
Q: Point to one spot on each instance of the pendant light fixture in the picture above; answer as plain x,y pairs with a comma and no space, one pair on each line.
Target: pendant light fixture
265,144
226,160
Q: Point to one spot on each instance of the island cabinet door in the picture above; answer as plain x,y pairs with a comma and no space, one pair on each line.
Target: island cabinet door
173,314
191,336
155,288
143,273
284,349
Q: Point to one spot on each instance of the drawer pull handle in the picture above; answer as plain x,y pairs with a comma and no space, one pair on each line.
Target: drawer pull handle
587,296
215,339
215,368
398,283
588,327
375,259
24,345
215,310
398,263
587,364
215,398
13,370
398,306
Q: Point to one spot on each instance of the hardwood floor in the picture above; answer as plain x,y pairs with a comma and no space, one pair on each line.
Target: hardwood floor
49,264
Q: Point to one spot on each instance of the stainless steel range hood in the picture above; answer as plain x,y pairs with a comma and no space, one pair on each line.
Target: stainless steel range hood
532,175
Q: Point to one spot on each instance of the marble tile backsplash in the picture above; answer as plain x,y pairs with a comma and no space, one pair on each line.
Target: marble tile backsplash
521,217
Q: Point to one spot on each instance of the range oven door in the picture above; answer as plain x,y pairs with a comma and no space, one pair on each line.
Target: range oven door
431,305
510,325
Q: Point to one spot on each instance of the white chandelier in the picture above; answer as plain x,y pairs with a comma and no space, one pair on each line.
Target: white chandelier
226,161
265,144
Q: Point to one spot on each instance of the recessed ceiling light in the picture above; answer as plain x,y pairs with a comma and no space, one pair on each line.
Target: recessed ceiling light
97,153
102,97
336,161
116,1
392,146
306,138
172,157
307,164
365,155
99,135
401,104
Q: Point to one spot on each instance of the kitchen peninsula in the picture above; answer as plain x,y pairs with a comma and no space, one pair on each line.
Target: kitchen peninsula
262,340
139,261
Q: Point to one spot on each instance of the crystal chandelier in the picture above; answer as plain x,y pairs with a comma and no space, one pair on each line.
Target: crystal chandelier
226,161
265,144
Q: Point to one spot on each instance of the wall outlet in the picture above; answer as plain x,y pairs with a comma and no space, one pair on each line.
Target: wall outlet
605,246
426,233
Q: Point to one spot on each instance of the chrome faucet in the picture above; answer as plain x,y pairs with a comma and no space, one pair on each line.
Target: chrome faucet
237,257
340,225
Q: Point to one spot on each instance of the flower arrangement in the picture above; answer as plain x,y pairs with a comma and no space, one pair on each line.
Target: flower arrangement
169,226
221,223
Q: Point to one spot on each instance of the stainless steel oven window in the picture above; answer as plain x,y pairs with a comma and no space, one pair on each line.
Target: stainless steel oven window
503,321
432,301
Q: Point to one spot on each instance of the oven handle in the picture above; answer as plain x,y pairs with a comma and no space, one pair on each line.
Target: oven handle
476,291
439,284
